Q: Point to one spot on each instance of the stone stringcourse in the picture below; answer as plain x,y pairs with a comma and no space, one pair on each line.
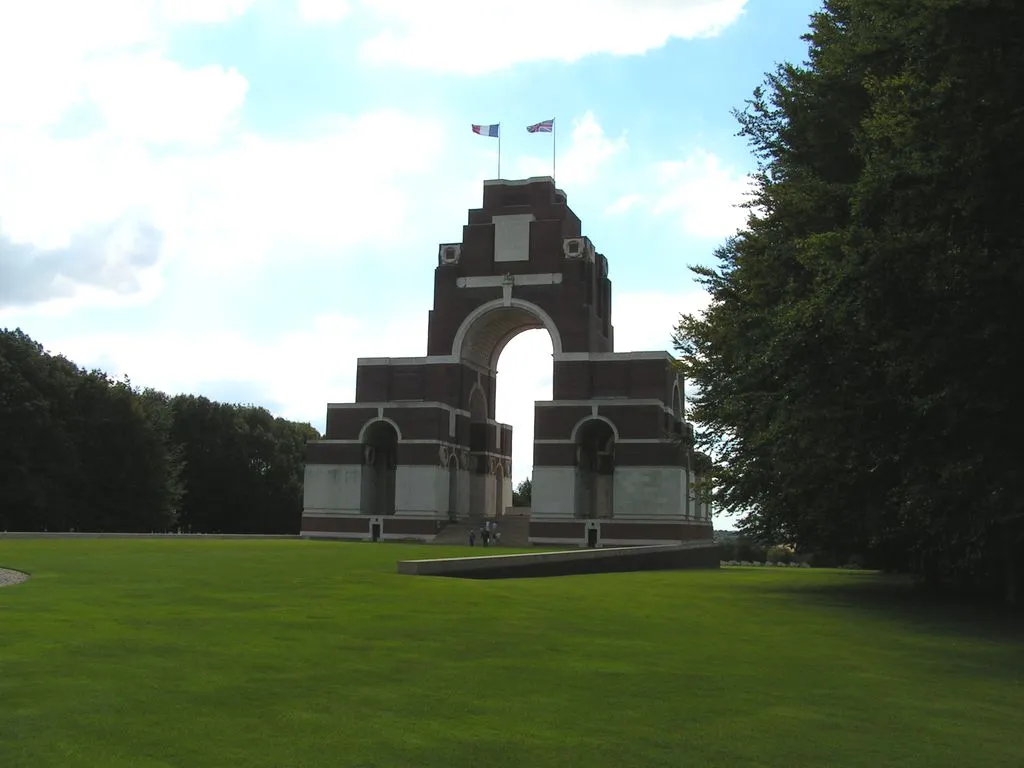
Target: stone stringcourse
9,577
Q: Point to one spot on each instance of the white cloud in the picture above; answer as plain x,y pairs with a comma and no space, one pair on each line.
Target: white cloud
588,152
623,204
110,258
202,11
144,97
52,51
99,72
483,37
343,186
162,141
703,194
645,320
299,371
329,11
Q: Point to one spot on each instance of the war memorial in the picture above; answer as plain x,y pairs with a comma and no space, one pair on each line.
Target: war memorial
420,447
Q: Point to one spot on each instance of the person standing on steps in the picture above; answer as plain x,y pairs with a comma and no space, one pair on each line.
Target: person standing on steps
472,536
485,534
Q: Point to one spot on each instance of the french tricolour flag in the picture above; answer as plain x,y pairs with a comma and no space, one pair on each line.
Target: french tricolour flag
545,127
487,130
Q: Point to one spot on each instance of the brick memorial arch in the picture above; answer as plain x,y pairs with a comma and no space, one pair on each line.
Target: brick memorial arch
420,446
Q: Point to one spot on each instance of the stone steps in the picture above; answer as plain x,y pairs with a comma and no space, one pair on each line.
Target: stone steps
515,532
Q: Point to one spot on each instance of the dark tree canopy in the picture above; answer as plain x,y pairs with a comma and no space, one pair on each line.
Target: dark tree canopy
80,451
855,369
522,495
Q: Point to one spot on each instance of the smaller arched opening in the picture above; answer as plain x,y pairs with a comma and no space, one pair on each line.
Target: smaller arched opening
595,468
677,401
379,440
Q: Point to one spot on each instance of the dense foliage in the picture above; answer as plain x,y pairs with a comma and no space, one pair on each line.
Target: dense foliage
79,451
855,369
522,495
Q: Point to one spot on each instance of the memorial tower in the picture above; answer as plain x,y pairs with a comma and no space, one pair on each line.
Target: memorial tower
420,446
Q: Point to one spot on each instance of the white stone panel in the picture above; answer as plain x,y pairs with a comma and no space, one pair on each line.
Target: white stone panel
604,496
332,487
479,499
650,493
512,237
506,495
464,493
490,495
553,493
421,491
451,496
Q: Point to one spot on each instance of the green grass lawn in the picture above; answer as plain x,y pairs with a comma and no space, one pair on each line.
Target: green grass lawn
296,653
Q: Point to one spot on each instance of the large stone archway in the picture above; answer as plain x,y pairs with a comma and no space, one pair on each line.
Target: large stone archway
478,343
485,332
522,263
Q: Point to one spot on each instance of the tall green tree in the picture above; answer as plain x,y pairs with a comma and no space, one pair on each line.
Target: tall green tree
38,457
854,367
80,451
127,480
243,469
522,495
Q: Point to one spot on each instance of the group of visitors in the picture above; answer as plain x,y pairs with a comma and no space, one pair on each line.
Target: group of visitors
489,534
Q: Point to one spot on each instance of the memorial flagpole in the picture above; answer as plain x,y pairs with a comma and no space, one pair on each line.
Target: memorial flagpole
494,131
546,126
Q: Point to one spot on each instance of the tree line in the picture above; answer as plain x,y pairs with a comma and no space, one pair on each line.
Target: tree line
522,494
80,451
856,371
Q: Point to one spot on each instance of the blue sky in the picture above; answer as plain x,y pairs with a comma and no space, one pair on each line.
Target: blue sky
238,198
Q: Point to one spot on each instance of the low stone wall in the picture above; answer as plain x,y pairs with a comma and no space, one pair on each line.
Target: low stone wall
661,557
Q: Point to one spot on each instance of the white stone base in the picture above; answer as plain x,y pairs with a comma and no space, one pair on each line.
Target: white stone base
462,510
352,536
488,496
554,493
365,531
656,494
506,495
653,494
421,491
334,488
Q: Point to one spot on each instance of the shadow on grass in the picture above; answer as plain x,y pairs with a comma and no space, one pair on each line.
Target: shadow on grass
902,599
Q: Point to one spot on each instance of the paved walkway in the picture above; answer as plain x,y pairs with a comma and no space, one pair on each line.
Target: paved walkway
9,577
